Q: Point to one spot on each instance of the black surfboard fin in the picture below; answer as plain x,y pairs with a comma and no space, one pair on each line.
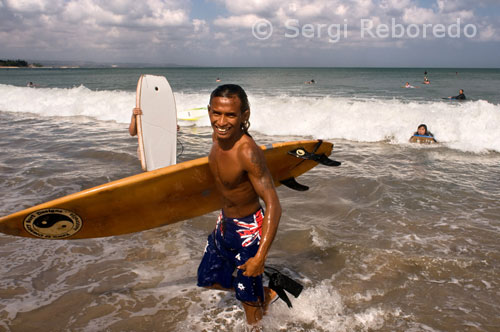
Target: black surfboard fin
319,158
280,282
324,160
293,184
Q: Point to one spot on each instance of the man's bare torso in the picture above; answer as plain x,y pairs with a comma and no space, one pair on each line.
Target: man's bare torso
239,196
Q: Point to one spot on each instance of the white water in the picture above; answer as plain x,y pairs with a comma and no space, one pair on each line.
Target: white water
467,126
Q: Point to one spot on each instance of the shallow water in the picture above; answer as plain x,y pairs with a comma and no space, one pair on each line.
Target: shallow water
401,237
398,238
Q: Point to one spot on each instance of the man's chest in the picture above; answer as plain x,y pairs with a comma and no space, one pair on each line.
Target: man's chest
226,169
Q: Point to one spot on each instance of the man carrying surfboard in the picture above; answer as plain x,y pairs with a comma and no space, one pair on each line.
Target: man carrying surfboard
244,232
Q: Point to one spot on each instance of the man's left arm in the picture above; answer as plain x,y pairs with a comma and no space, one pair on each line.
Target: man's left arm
255,164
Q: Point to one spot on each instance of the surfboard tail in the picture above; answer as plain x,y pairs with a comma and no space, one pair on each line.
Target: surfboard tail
319,158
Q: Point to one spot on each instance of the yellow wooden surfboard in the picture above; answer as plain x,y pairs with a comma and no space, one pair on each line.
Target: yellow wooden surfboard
152,199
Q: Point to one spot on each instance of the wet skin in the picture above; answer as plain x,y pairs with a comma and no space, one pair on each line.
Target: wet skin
242,177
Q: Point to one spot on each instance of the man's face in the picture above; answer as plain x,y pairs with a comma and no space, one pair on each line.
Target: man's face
226,117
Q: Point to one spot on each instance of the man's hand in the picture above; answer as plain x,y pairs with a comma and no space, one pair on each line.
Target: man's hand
252,268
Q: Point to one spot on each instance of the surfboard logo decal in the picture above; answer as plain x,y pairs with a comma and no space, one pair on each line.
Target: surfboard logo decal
53,223
300,152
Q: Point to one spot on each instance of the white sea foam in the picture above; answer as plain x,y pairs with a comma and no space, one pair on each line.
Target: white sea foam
319,308
468,126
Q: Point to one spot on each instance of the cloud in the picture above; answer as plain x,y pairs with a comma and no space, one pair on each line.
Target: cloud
416,15
167,31
489,33
29,6
102,28
397,5
241,7
241,21
126,13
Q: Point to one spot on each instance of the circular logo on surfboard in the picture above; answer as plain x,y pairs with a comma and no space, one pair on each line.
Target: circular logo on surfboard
300,152
53,223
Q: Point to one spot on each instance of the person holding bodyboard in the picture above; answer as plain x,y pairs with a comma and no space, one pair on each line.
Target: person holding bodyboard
154,121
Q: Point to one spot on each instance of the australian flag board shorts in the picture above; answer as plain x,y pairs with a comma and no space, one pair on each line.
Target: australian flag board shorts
231,244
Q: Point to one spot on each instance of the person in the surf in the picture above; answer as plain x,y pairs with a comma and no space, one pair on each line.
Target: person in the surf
244,231
422,131
461,95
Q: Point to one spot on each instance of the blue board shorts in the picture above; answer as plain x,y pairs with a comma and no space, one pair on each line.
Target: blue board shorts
231,244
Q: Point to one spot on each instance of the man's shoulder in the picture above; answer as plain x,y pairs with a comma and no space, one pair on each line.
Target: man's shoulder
249,151
247,145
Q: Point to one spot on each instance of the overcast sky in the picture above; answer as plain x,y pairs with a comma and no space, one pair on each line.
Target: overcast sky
386,33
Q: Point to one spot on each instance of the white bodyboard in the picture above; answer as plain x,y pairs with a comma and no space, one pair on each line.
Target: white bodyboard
157,126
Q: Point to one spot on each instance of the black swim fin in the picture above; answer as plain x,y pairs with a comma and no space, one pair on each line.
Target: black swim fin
280,282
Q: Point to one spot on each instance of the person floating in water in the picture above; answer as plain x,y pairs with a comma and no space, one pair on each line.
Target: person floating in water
310,82
426,80
460,96
409,86
217,80
422,131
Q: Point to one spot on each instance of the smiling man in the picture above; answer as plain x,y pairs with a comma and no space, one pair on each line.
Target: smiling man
244,232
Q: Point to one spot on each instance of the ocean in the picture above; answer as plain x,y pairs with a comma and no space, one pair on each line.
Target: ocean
401,237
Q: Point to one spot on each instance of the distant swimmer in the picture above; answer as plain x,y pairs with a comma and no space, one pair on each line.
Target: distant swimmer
409,86
310,82
217,80
426,80
460,96
31,85
422,134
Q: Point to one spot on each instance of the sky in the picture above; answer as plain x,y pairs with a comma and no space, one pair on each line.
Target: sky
291,33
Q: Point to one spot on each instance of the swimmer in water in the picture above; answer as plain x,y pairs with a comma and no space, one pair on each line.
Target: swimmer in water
422,131
409,86
460,96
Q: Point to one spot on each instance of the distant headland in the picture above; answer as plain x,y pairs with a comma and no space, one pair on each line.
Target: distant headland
71,64
18,64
